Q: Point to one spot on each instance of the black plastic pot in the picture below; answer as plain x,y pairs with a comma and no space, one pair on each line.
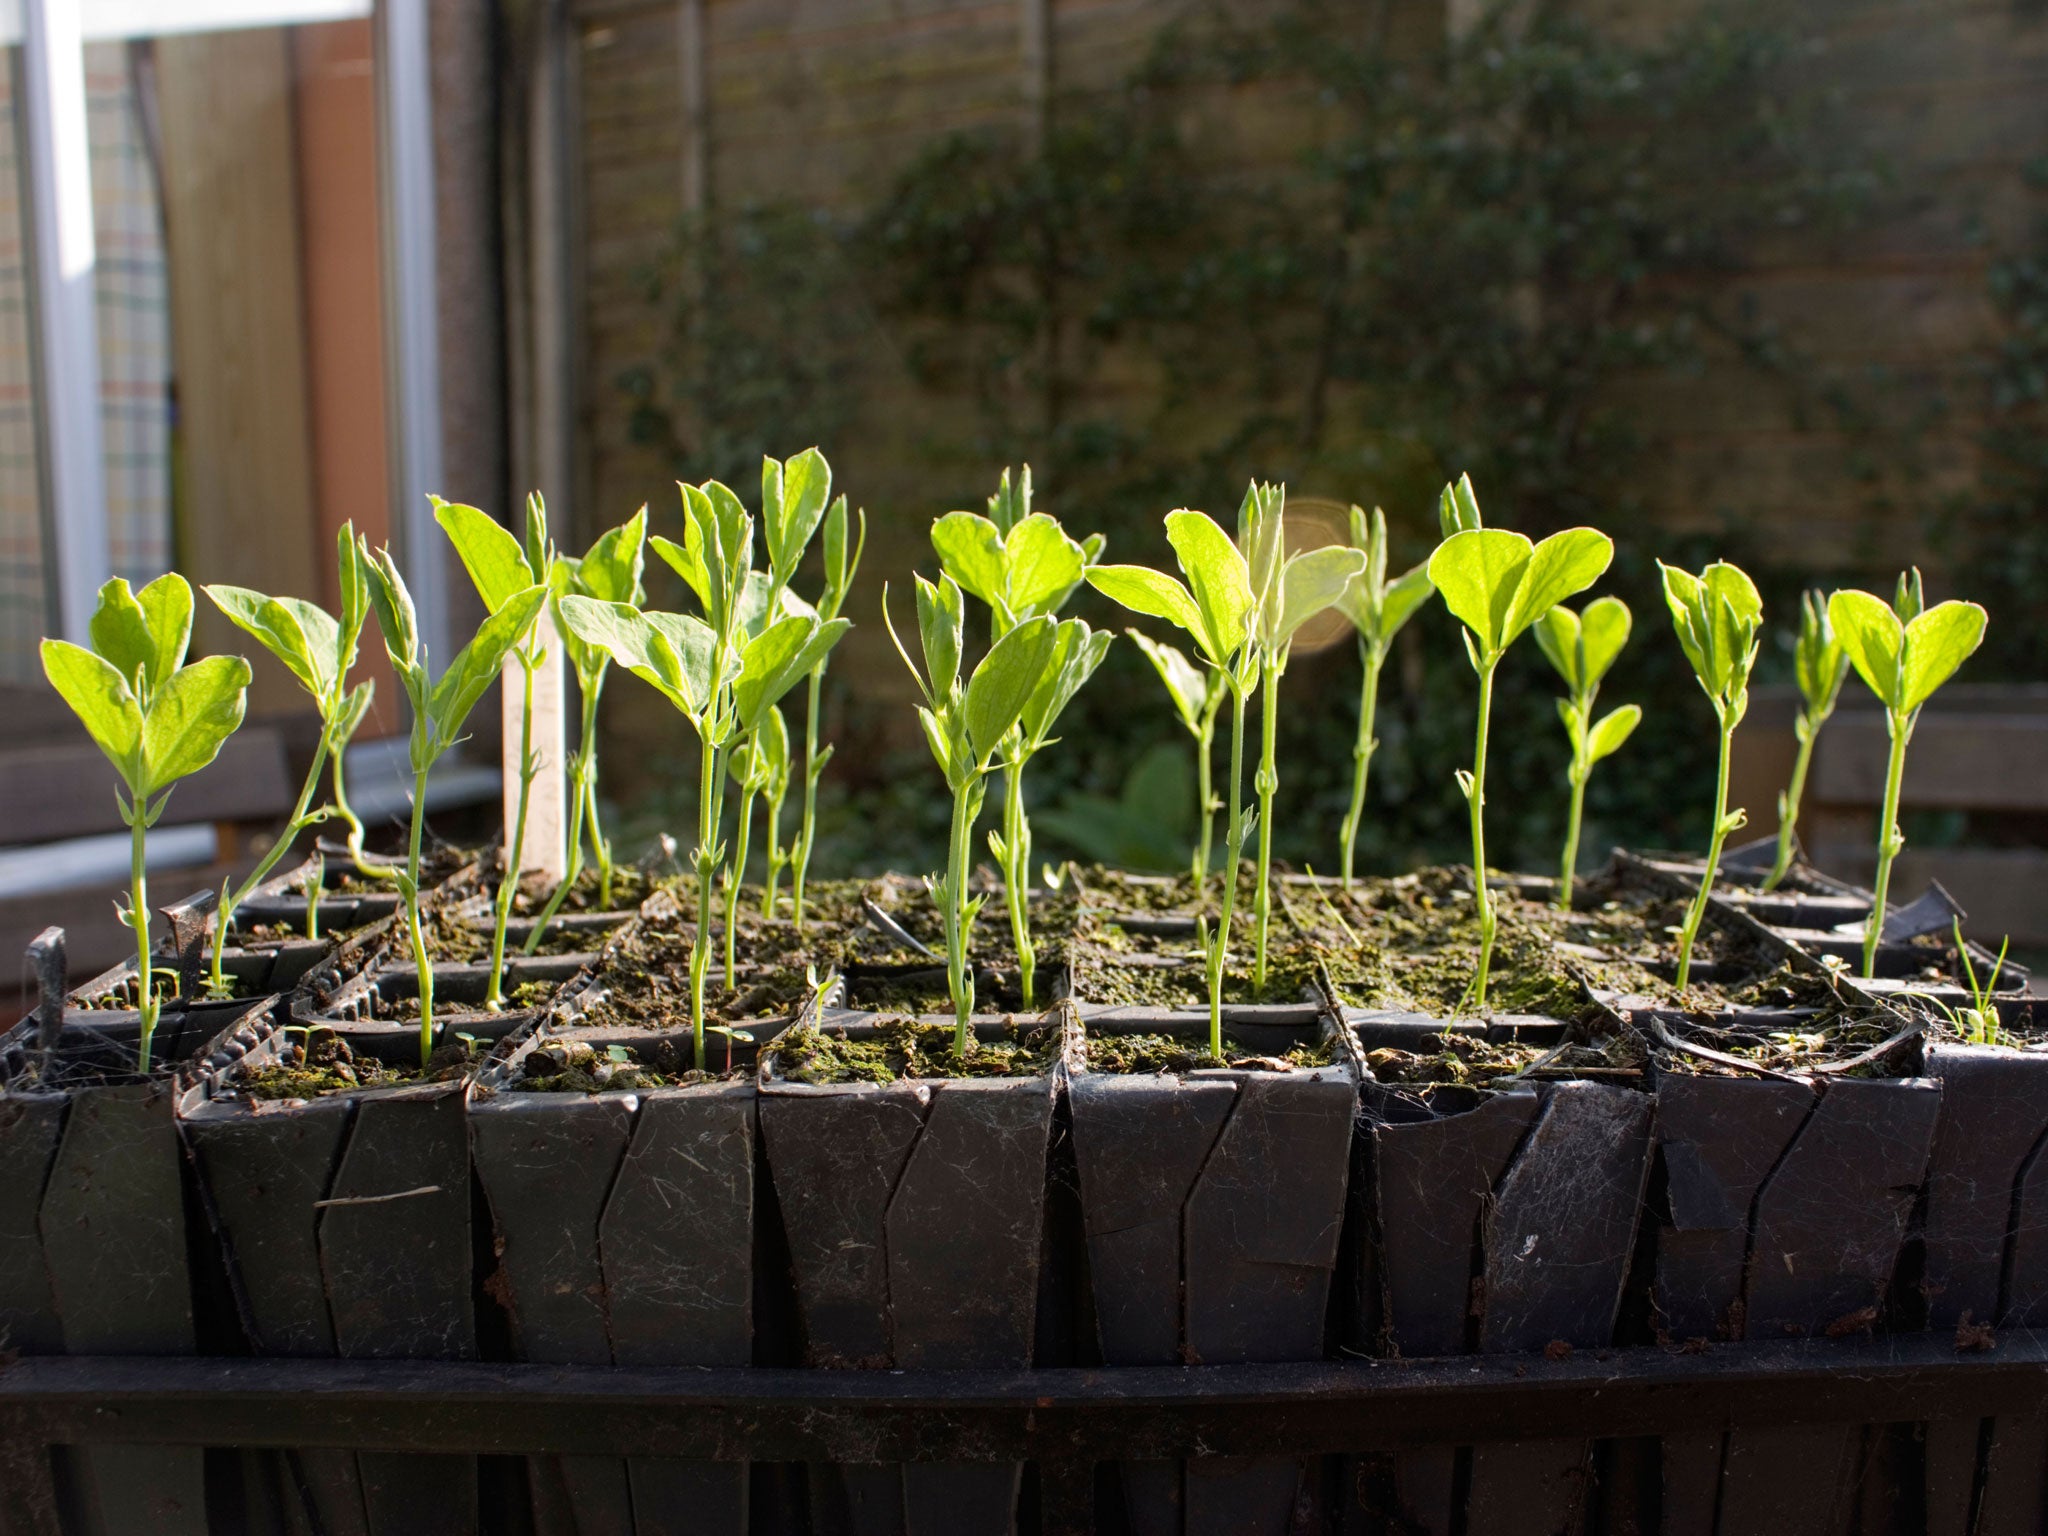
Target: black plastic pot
624,1229
345,1227
1489,1222
1212,1203
95,1221
914,1214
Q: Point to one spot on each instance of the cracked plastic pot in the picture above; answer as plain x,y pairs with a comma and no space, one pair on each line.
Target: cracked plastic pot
914,1212
625,1229
96,1221
1212,1197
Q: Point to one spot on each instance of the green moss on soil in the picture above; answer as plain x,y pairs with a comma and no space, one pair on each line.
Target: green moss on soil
900,1048
1137,1055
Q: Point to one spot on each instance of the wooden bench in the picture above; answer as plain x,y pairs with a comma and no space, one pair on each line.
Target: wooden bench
1979,752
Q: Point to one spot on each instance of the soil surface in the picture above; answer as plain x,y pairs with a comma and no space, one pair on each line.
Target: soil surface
575,1066
899,1048
1135,1055
328,1065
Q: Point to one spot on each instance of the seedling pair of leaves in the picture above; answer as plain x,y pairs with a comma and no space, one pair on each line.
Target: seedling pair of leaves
157,720
967,725
319,650
1903,652
1023,565
1499,584
1718,617
1242,603
1581,648
1378,609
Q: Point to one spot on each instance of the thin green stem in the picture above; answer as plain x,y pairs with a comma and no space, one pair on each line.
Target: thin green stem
1373,658
1205,784
1268,785
582,779
1476,797
813,771
414,930
1889,839
959,984
1017,874
146,1006
1697,913
355,823
778,856
1219,947
735,873
1569,868
1788,804
515,855
237,894
710,795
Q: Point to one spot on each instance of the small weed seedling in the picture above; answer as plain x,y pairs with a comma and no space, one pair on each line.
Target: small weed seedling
1582,647
1214,607
319,651
1197,695
1498,584
501,568
1821,665
966,728
1904,651
440,706
1718,616
1023,566
608,573
157,719
1287,591
1377,608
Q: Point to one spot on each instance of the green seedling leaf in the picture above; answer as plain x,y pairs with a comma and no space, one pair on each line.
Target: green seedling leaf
1041,565
281,629
1144,590
778,659
143,635
1478,571
939,620
1557,637
495,560
1560,566
840,562
1458,508
1819,660
1612,731
1312,581
1011,503
1261,540
684,651
1717,616
188,718
1077,652
1003,684
392,604
794,494
1218,579
475,667
970,550
103,702
1938,640
687,561
611,570
1186,684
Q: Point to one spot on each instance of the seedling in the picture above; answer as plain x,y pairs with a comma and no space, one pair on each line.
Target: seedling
1821,664
966,728
1718,616
716,676
1214,607
1582,647
502,568
440,706
1287,591
1023,565
805,480
608,573
1980,1019
156,719
1904,652
1197,695
1377,608
319,651
1498,584
754,766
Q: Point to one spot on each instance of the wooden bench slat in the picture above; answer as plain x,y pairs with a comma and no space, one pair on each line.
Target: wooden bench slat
64,790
